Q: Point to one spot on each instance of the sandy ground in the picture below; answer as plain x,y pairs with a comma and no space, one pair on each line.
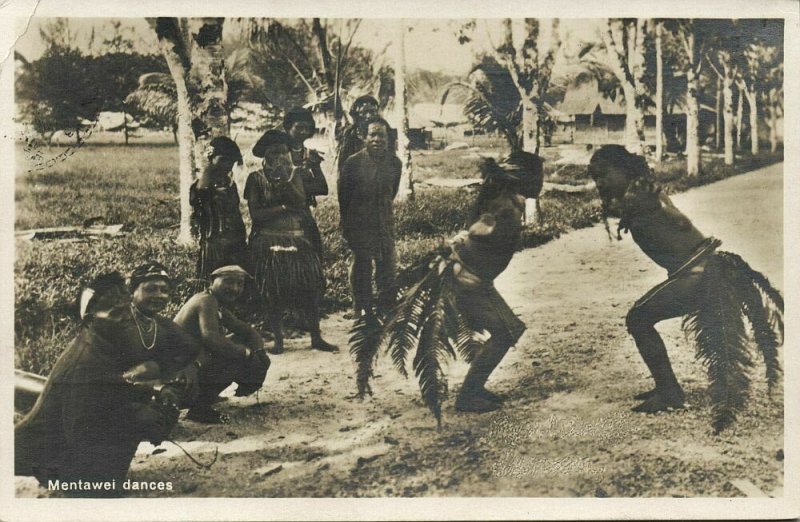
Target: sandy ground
566,429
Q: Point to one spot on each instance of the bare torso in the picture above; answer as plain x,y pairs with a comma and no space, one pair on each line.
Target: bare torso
662,232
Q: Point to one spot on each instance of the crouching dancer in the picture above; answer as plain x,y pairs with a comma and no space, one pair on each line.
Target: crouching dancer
234,351
449,295
112,388
712,289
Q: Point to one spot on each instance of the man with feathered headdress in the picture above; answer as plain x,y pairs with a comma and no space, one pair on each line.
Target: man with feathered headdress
448,297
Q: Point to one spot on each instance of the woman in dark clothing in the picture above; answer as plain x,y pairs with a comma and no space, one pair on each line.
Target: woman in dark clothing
216,219
299,125
285,265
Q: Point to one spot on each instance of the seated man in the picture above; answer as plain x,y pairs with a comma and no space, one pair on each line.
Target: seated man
234,357
93,412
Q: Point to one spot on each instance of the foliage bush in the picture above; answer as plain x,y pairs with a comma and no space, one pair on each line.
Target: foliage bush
137,186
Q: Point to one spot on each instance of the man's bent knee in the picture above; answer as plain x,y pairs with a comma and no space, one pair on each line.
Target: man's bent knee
636,321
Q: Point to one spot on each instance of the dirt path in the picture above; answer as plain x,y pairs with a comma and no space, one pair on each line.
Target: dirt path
566,429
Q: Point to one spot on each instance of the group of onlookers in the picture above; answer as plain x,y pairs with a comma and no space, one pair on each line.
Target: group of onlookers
130,370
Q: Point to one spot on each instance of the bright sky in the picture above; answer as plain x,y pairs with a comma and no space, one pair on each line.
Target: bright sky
430,44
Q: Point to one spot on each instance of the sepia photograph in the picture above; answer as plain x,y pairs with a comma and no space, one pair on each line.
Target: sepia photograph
349,256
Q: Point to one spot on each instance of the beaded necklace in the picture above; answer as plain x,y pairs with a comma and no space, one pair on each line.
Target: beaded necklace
153,327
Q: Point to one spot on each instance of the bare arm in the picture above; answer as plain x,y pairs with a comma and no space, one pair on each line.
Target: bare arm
213,340
674,215
397,171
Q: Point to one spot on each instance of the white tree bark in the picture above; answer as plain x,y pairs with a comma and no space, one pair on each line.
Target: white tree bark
692,124
739,120
175,55
727,113
193,50
401,108
773,120
659,95
626,58
752,102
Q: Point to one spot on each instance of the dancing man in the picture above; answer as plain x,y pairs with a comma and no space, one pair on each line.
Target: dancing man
449,296
711,289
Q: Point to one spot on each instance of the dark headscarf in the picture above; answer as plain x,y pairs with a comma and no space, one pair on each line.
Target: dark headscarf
149,270
362,100
297,114
224,146
101,285
271,137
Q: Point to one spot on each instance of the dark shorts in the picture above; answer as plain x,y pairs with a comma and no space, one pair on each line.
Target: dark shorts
485,309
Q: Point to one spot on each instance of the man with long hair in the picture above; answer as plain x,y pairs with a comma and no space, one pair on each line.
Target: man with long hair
711,289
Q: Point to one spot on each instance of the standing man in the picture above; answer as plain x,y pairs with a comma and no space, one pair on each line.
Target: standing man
365,110
368,184
216,220
234,350
299,125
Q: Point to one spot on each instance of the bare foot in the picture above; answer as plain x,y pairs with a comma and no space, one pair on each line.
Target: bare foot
475,404
661,401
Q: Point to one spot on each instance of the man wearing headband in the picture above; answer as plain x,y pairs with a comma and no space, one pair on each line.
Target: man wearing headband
367,187
299,125
234,349
286,267
216,220
94,410
178,354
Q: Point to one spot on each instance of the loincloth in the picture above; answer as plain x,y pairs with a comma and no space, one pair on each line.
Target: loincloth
705,249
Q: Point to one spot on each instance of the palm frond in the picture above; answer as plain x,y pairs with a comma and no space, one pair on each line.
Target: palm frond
428,363
763,332
758,315
773,300
722,344
364,343
405,321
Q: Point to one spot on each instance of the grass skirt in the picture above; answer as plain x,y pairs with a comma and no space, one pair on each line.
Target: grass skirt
287,271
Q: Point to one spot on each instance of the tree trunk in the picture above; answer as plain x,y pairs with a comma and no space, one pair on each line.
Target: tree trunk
624,42
739,118
125,124
692,123
321,41
718,117
193,51
401,108
727,114
773,120
659,96
752,100
634,121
